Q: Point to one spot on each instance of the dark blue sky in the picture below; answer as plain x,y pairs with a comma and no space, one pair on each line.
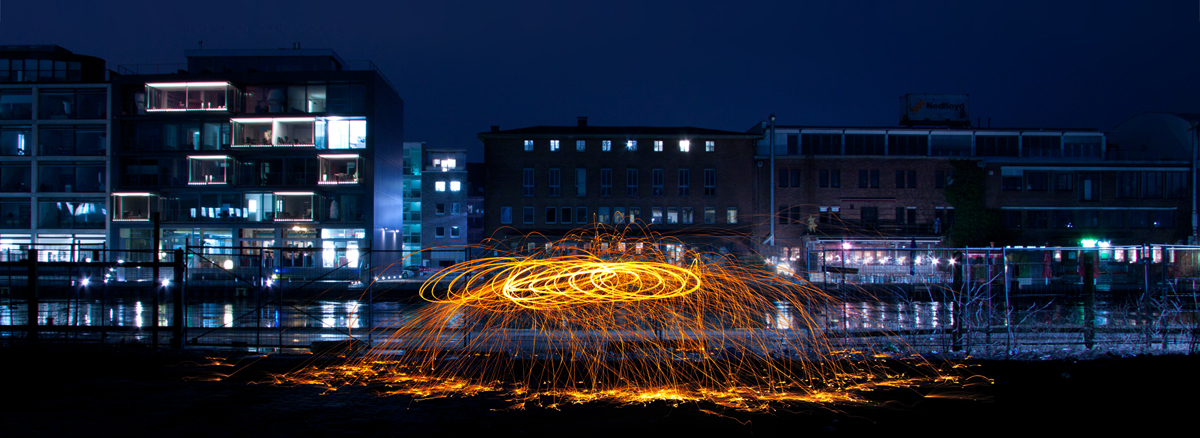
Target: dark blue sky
462,66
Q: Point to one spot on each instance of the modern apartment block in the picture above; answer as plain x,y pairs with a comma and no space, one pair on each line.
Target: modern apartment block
692,184
54,144
444,206
241,150
411,231
885,186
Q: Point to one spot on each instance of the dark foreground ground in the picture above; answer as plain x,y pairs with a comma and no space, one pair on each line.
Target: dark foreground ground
86,391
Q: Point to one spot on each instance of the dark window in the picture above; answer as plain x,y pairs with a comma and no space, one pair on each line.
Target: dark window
1139,218
605,182
566,215
1127,184
1064,219
782,214
862,179
782,178
551,215
1176,184
997,146
1037,181
835,178
900,180
1112,218
821,144
1012,218
656,181
1088,218
795,177
1089,187
1163,219
710,182
1152,186
943,179
1038,218
527,182
631,182
870,216
874,179
793,144
864,144
1041,146
1011,183
685,182
823,178
1064,181
908,145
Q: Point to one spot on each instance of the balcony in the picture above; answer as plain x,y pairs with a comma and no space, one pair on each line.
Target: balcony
294,206
275,132
131,207
208,170
339,169
191,96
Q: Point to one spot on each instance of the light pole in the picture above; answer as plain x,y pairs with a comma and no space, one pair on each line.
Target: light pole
771,211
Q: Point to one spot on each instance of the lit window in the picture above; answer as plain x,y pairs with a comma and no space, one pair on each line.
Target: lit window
528,145
446,164
455,208
580,145
439,186
553,145
731,215
710,146
455,186
658,146
606,145
685,145
506,215
454,232
631,145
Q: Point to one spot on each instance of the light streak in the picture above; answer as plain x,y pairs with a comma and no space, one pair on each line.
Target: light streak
581,320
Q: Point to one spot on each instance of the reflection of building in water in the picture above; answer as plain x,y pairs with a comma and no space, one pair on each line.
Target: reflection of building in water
250,149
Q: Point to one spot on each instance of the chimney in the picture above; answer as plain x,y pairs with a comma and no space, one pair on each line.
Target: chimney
495,128
582,121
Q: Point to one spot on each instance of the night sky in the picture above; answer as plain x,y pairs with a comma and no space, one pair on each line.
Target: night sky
462,66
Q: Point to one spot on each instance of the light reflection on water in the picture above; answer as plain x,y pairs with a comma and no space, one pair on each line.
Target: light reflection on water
353,314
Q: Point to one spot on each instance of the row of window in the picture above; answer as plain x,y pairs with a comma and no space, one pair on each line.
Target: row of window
867,178
240,207
794,215
83,104
53,140
1129,184
34,70
632,182
1115,219
56,176
440,186
305,132
951,145
630,145
619,215
222,170
440,232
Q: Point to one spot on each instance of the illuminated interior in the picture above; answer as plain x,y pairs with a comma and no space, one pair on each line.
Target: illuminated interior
191,96
339,169
211,170
294,206
280,132
131,207
343,133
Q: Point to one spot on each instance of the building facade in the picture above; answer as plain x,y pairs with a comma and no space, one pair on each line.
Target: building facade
685,183
882,187
444,207
251,149
54,151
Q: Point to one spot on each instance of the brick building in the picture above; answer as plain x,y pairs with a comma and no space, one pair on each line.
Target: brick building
684,182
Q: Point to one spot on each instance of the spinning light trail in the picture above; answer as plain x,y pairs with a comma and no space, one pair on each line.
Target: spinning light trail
598,316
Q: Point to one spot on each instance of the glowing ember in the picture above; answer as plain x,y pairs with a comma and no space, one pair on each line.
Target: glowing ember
601,317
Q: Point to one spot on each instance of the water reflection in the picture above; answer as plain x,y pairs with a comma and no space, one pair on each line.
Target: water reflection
299,322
